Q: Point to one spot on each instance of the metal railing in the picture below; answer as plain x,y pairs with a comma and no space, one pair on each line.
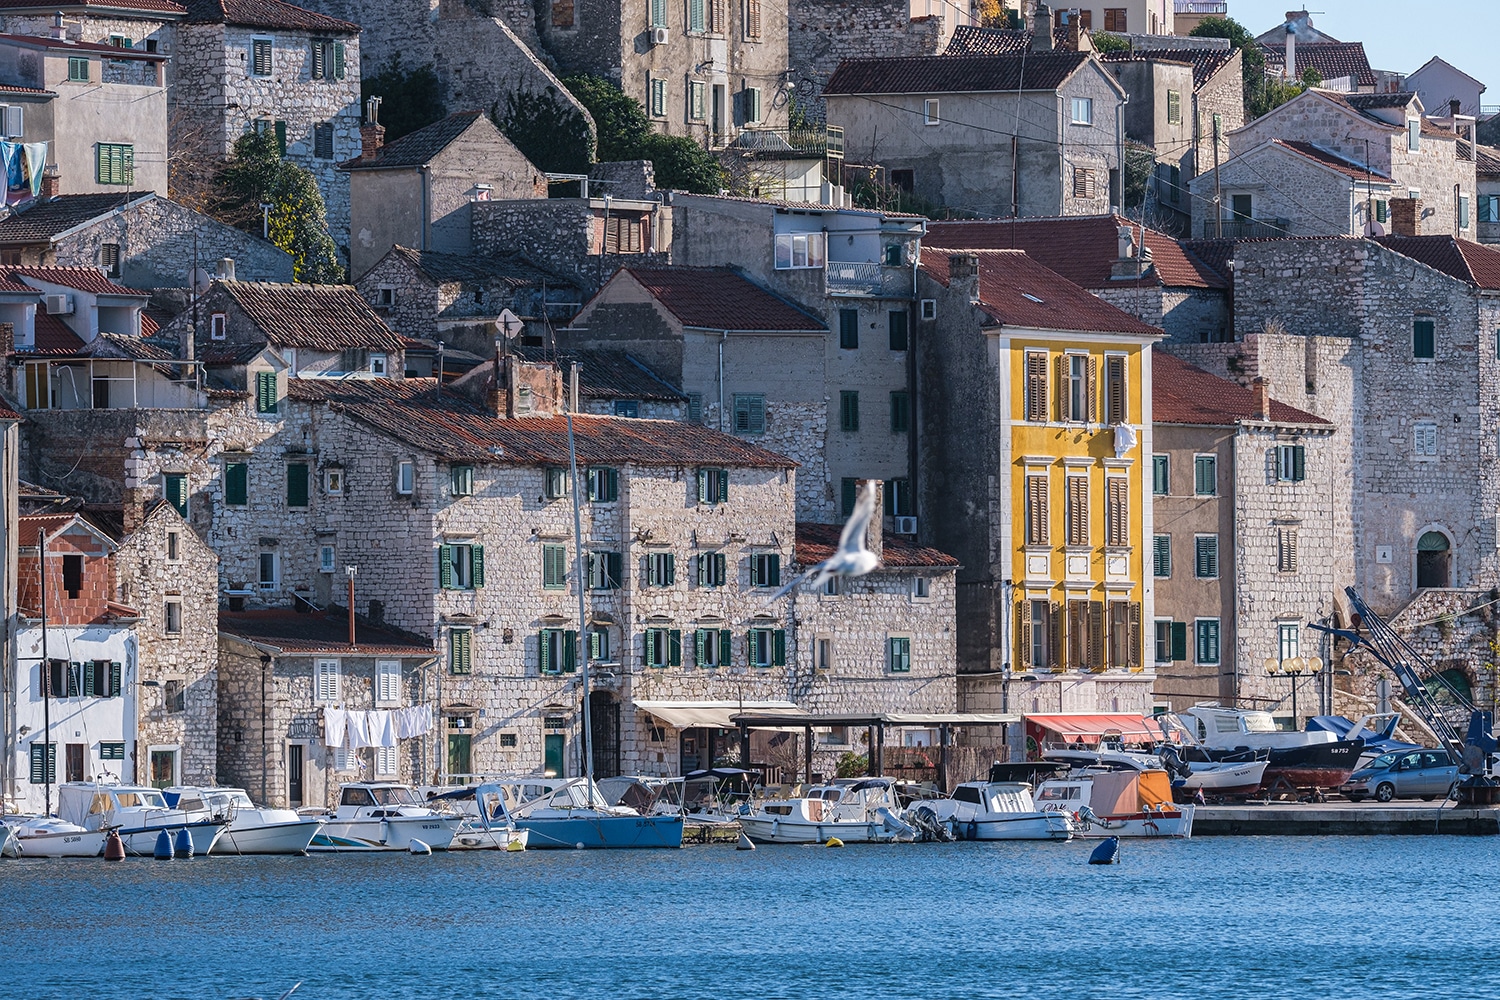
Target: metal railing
791,143
853,278
1218,7
1250,229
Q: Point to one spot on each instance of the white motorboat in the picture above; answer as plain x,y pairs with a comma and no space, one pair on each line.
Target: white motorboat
1298,759
248,829
382,816
996,810
855,810
570,813
50,837
140,814
1122,802
1190,772
487,825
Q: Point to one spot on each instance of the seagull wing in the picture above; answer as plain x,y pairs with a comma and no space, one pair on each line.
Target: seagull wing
853,538
790,585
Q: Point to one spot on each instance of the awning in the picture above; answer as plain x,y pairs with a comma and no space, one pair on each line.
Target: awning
712,714
1095,726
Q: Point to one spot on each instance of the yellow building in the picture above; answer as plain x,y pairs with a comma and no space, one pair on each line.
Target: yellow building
1035,427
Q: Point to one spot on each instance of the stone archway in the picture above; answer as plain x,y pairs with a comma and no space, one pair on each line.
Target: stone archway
1434,559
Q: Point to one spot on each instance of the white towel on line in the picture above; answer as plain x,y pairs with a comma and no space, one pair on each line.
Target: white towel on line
335,726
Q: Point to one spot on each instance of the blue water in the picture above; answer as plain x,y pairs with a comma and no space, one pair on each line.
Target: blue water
1376,918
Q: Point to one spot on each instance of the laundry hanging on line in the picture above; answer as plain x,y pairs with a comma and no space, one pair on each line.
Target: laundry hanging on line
380,727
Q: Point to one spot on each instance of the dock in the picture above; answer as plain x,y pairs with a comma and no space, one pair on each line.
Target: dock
1301,819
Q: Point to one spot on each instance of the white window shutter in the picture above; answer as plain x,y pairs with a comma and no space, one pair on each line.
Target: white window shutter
388,680
328,680
15,120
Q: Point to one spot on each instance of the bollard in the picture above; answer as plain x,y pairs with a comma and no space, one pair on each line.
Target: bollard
114,847
183,846
163,850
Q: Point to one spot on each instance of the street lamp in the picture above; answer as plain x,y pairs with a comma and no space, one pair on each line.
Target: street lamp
1293,667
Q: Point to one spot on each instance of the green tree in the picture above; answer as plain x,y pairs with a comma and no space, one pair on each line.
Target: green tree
681,164
550,131
625,133
1105,42
256,175
409,99
1257,88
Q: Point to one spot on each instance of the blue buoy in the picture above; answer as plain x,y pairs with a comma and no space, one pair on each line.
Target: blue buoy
184,844
163,850
1107,853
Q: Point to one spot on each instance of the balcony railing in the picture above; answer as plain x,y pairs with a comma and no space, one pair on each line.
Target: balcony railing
853,278
1219,8
790,143
1252,229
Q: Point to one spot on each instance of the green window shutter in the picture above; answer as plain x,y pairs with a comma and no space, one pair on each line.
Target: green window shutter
695,15
669,574
1423,338
752,647
1179,641
43,763
613,492
476,564
778,653
849,491
726,646
88,677
703,486
896,321
296,484
544,651
338,60
596,644
114,679
674,647
445,567
1161,556
900,412
723,486
703,570
849,329
1159,472
281,136
74,669
237,484
773,571
1299,462
700,647
176,491
265,392
849,410
612,567
570,651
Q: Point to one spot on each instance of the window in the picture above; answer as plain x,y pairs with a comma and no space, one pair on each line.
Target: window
554,567
906,180
296,484
557,651
326,563
627,408
697,105
1424,439
1423,339
460,650
109,259
268,571
1463,211
174,546
346,759
1383,209
713,569
1083,111
173,617
1083,182
1289,641
849,329
848,410
898,498
1036,386
386,760
1174,107
930,113
658,98
1206,557
663,647
556,485
323,140
765,570
599,645
1174,185
1489,208
265,392
1115,19
72,574
1286,550
796,250
1413,134
1241,207
1116,511
385,297
712,647
848,494
116,163
1291,464
898,654
260,56
661,569
460,566
697,18
921,587
749,413
752,105
1207,640
900,413
333,480
1160,475
766,647
1038,526
562,13
624,234
111,751
604,570
1034,634
713,485
1115,398
1124,634
752,19
1163,644
174,488
326,681
78,69
929,309
1206,475
658,13
406,477
695,407
43,763
327,61
823,653
896,325
1080,370
603,484
174,696
216,324
1077,510
462,480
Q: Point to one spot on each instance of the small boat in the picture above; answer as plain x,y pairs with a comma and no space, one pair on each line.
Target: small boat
996,810
1123,802
50,837
853,810
383,816
487,825
137,812
10,847
1297,759
1191,769
248,829
569,813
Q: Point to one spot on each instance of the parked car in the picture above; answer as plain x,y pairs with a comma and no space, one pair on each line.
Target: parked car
1404,774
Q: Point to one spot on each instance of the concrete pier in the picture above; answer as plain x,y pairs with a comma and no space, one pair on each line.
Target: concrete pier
1302,819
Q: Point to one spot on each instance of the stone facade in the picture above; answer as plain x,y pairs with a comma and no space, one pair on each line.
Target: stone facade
822,33
567,235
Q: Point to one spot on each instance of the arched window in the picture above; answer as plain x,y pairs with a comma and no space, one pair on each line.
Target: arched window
1434,560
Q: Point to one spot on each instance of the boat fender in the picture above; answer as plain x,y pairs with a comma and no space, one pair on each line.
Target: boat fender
972,833
182,846
515,845
1107,853
834,842
745,844
163,850
418,847
114,847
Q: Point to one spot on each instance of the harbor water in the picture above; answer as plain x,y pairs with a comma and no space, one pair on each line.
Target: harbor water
1214,917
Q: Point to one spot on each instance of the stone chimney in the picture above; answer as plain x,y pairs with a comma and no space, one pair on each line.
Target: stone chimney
133,501
51,182
224,271
963,274
371,133
1262,389
1041,29
875,532
1406,216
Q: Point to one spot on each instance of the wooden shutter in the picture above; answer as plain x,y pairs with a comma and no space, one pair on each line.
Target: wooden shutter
1134,651
1091,390
700,647
674,647
1063,401
719,12
1096,634
752,18
778,648
543,650
1299,462
296,484
570,651
1036,386
88,678
1023,634
319,51
752,648
726,646
1078,510
445,567
74,669
1179,641
1038,518
1054,636
613,564
1161,556
237,484
476,565
1117,515
114,678
1114,378
338,60
1078,617
43,763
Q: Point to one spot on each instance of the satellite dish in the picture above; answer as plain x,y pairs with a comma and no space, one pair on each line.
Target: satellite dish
509,324
1374,229
201,280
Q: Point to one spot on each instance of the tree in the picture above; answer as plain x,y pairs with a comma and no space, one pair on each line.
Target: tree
256,175
1252,61
625,133
1105,42
681,164
548,130
409,99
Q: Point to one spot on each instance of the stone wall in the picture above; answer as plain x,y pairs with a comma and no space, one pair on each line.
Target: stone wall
561,234
823,33
1222,95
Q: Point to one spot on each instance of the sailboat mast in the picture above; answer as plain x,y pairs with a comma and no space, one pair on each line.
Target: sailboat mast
45,675
581,581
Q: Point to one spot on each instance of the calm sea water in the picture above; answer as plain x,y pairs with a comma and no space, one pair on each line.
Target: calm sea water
1387,918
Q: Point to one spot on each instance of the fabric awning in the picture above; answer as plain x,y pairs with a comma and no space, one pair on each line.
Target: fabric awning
1095,726
712,714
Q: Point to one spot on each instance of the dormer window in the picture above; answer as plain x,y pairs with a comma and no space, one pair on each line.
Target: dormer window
377,364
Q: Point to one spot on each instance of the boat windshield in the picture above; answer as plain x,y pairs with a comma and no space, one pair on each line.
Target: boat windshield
239,799
1058,793
139,797
396,797
1259,722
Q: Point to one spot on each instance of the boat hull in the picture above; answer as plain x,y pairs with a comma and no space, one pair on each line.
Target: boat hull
781,830
1321,765
80,844
393,833
270,838
141,840
1223,779
488,840
602,832
1174,823
1038,826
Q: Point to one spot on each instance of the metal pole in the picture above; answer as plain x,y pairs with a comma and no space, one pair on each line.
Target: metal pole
579,581
942,774
46,677
1218,188
807,750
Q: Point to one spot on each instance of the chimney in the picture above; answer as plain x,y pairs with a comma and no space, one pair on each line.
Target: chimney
51,181
1289,71
371,133
963,274
1406,214
875,532
133,502
1262,389
1074,35
225,269
1041,29
58,30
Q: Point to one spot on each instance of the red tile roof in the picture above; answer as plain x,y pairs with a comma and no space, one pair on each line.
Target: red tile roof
1206,63
1347,167
816,542
53,336
1476,263
93,48
1487,161
29,527
319,632
6,413
322,317
1186,394
1332,60
1082,249
1018,291
720,298
265,14
97,6
84,279
455,429
954,74
39,221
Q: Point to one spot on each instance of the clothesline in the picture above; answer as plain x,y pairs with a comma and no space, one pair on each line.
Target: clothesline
380,727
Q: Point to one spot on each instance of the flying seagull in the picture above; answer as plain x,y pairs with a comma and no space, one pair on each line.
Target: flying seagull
852,558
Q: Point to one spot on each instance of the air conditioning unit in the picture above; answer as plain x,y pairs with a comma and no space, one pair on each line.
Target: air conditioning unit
59,305
905,525
929,309
660,36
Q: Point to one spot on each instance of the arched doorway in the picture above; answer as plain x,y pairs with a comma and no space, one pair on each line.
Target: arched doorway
1434,560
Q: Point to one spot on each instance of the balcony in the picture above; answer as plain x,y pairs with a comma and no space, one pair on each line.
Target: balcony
1253,229
790,143
1205,8
854,278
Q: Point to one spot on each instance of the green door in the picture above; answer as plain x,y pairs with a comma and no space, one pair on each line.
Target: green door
459,757
552,755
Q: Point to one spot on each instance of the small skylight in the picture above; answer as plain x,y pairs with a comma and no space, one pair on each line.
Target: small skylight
1028,295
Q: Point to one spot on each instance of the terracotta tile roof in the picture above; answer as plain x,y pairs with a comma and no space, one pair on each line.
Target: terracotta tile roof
53,336
1206,63
972,40
1487,161
514,270
97,6
1082,249
610,375
84,279
265,14
954,74
44,220
320,632
125,346
29,527
1018,291
1476,263
1332,60
229,355
418,148
720,298
1332,160
6,413
1186,394
6,88
47,42
816,542
1367,102
323,317
453,428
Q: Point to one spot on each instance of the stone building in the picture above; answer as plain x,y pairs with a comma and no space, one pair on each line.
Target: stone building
1033,135
418,191
1244,537
1295,46
147,25
1438,82
1487,179
823,33
268,65
615,384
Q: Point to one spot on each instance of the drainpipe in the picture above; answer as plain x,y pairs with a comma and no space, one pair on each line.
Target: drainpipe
423,221
723,337
265,661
